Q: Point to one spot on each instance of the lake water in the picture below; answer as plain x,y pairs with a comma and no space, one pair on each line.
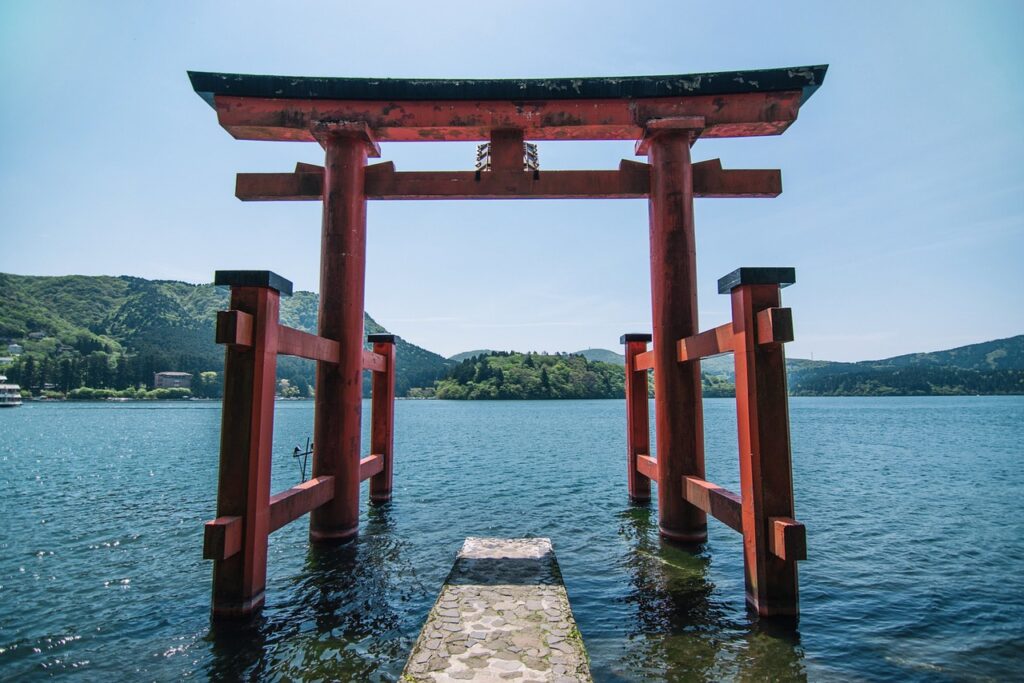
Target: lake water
913,506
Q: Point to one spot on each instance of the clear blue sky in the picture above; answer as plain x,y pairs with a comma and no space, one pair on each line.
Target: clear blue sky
903,179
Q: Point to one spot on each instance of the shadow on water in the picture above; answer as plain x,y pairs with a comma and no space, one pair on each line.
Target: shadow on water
340,620
682,628
238,649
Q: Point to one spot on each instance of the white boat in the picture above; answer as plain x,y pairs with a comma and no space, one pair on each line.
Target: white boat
10,394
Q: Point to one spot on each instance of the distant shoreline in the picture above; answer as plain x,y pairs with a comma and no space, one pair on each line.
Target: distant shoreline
493,400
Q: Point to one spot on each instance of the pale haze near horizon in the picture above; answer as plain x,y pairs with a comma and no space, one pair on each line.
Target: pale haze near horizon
903,186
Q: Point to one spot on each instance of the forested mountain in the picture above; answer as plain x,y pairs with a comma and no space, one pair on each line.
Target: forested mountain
994,367
115,332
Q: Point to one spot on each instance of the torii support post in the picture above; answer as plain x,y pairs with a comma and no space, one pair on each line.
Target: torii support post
638,426
679,428
338,410
247,432
772,540
382,429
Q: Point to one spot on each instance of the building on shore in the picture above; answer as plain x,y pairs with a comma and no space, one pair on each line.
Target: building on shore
15,349
172,380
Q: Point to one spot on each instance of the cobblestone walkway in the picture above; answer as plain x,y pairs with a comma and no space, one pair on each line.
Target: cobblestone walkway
503,614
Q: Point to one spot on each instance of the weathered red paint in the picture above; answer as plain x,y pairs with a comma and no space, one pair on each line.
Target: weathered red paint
638,429
222,537
374,362
723,505
246,438
705,344
677,398
737,115
336,422
382,421
234,328
507,150
648,467
292,342
292,503
631,181
774,326
644,361
370,465
788,540
762,412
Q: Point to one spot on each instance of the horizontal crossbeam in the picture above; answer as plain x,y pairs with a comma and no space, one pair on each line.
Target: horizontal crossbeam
725,116
723,505
370,465
222,537
643,361
289,505
631,181
234,328
374,361
775,326
705,344
787,539
292,342
647,466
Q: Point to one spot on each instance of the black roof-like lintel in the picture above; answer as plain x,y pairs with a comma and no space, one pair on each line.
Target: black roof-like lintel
804,78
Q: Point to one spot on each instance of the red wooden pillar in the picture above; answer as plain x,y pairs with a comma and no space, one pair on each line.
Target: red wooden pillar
382,429
247,432
678,412
766,480
339,394
638,426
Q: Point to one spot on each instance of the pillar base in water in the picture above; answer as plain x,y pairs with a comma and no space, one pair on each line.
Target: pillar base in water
695,536
502,611
238,609
319,536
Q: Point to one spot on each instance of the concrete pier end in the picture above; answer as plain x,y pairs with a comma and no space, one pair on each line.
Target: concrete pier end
503,614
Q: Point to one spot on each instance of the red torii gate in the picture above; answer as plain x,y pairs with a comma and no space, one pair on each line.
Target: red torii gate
349,117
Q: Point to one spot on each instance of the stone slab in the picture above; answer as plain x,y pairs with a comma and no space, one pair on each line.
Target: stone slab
502,615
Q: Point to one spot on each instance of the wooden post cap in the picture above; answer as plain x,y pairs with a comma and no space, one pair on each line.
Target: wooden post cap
380,338
783,277
253,278
634,337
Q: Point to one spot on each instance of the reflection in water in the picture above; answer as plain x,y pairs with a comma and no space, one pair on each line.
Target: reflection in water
238,649
682,629
341,622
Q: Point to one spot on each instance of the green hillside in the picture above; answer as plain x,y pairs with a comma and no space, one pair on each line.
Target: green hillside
512,375
459,357
115,332
509,375
999,354
603,356
994,367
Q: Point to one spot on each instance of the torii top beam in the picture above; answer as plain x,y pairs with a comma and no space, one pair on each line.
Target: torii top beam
732,104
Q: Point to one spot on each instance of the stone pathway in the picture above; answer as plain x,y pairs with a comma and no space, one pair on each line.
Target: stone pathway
503,615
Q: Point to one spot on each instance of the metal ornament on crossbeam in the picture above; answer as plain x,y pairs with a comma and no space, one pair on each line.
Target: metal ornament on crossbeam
304,454
531,158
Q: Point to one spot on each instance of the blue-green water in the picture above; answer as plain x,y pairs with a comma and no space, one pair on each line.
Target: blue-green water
914,511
